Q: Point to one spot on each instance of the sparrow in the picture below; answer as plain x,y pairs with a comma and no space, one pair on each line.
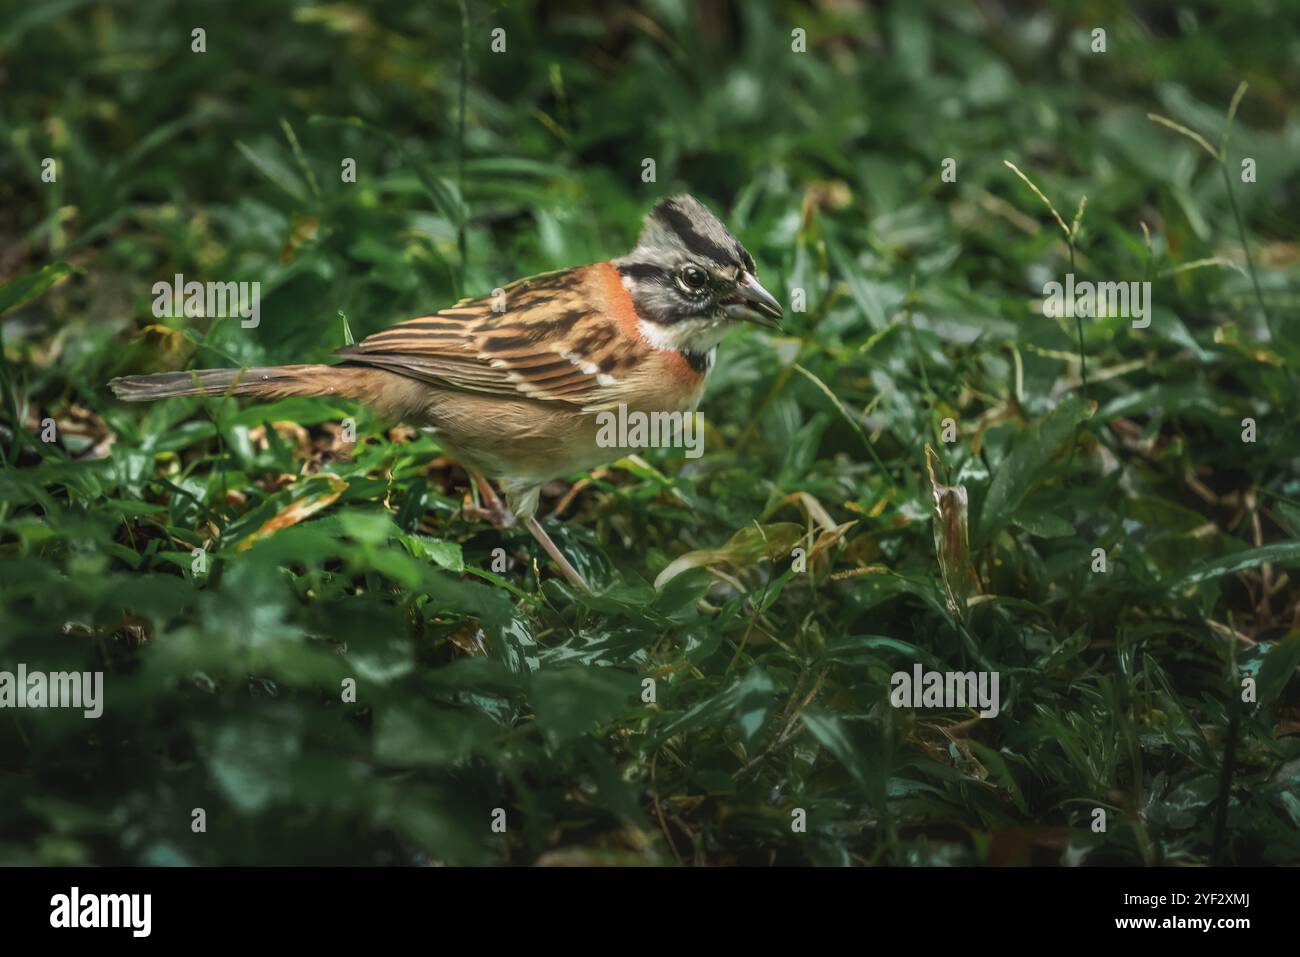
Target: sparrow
511,383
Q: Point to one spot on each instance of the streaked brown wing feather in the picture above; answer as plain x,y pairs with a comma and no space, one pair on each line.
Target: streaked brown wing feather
531,348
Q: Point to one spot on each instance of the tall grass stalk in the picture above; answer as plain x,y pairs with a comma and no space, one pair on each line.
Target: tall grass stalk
1071,232
1220,156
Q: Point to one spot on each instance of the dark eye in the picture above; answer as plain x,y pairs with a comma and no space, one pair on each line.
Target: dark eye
694,277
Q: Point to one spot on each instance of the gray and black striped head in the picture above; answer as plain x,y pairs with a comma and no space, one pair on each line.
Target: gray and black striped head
690,277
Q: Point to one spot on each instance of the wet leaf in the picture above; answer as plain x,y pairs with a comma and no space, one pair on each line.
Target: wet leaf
313,497
747,548
1034,449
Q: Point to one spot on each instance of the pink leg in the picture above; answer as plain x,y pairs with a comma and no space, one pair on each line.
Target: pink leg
571,573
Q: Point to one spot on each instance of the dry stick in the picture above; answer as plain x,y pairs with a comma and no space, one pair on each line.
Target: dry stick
564,503
659,813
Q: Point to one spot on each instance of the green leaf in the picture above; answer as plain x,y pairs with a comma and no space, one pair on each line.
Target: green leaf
844,414
1020,471
749,546
1278,667
299,409
1043,524
747,698
444,554
250,761
412,733
275,171
999,772
830,732
864,292
30,285
571,701
754,701
446,200
1283,553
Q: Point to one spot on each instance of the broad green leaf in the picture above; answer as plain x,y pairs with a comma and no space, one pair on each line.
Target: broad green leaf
275,171
1020,471
1278,668
1283,553
571,701
444,554
413,733
830,732
747,699
865,292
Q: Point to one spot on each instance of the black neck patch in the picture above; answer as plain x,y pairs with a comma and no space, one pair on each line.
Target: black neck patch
700,362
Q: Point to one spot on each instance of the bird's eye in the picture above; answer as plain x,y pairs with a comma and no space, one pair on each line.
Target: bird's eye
694,277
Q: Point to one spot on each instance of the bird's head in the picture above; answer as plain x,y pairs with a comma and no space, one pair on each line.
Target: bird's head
690,278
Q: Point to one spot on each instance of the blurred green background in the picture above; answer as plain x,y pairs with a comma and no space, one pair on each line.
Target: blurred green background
479,690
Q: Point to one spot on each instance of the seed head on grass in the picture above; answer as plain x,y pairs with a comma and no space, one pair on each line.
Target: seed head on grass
1039,193
1071,232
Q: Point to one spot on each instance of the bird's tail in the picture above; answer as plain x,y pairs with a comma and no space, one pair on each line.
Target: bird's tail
267,382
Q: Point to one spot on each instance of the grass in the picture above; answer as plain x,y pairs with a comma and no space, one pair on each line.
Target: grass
303,637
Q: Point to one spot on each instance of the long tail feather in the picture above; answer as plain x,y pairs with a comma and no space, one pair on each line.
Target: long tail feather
266,382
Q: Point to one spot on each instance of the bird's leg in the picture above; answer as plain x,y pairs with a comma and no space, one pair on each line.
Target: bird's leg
496,512
571,573
493,509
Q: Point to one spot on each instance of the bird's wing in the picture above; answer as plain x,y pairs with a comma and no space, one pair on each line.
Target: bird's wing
538,338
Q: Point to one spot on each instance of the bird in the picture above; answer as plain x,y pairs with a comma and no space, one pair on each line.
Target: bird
511,384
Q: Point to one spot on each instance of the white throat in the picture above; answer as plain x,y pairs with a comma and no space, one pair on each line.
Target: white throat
696,336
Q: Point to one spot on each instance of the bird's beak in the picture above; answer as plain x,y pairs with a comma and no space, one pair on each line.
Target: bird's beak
753,303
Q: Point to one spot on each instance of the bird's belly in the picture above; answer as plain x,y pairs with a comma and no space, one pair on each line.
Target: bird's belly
521,439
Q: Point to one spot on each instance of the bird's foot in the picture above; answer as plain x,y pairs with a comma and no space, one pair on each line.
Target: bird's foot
498,516
492,509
